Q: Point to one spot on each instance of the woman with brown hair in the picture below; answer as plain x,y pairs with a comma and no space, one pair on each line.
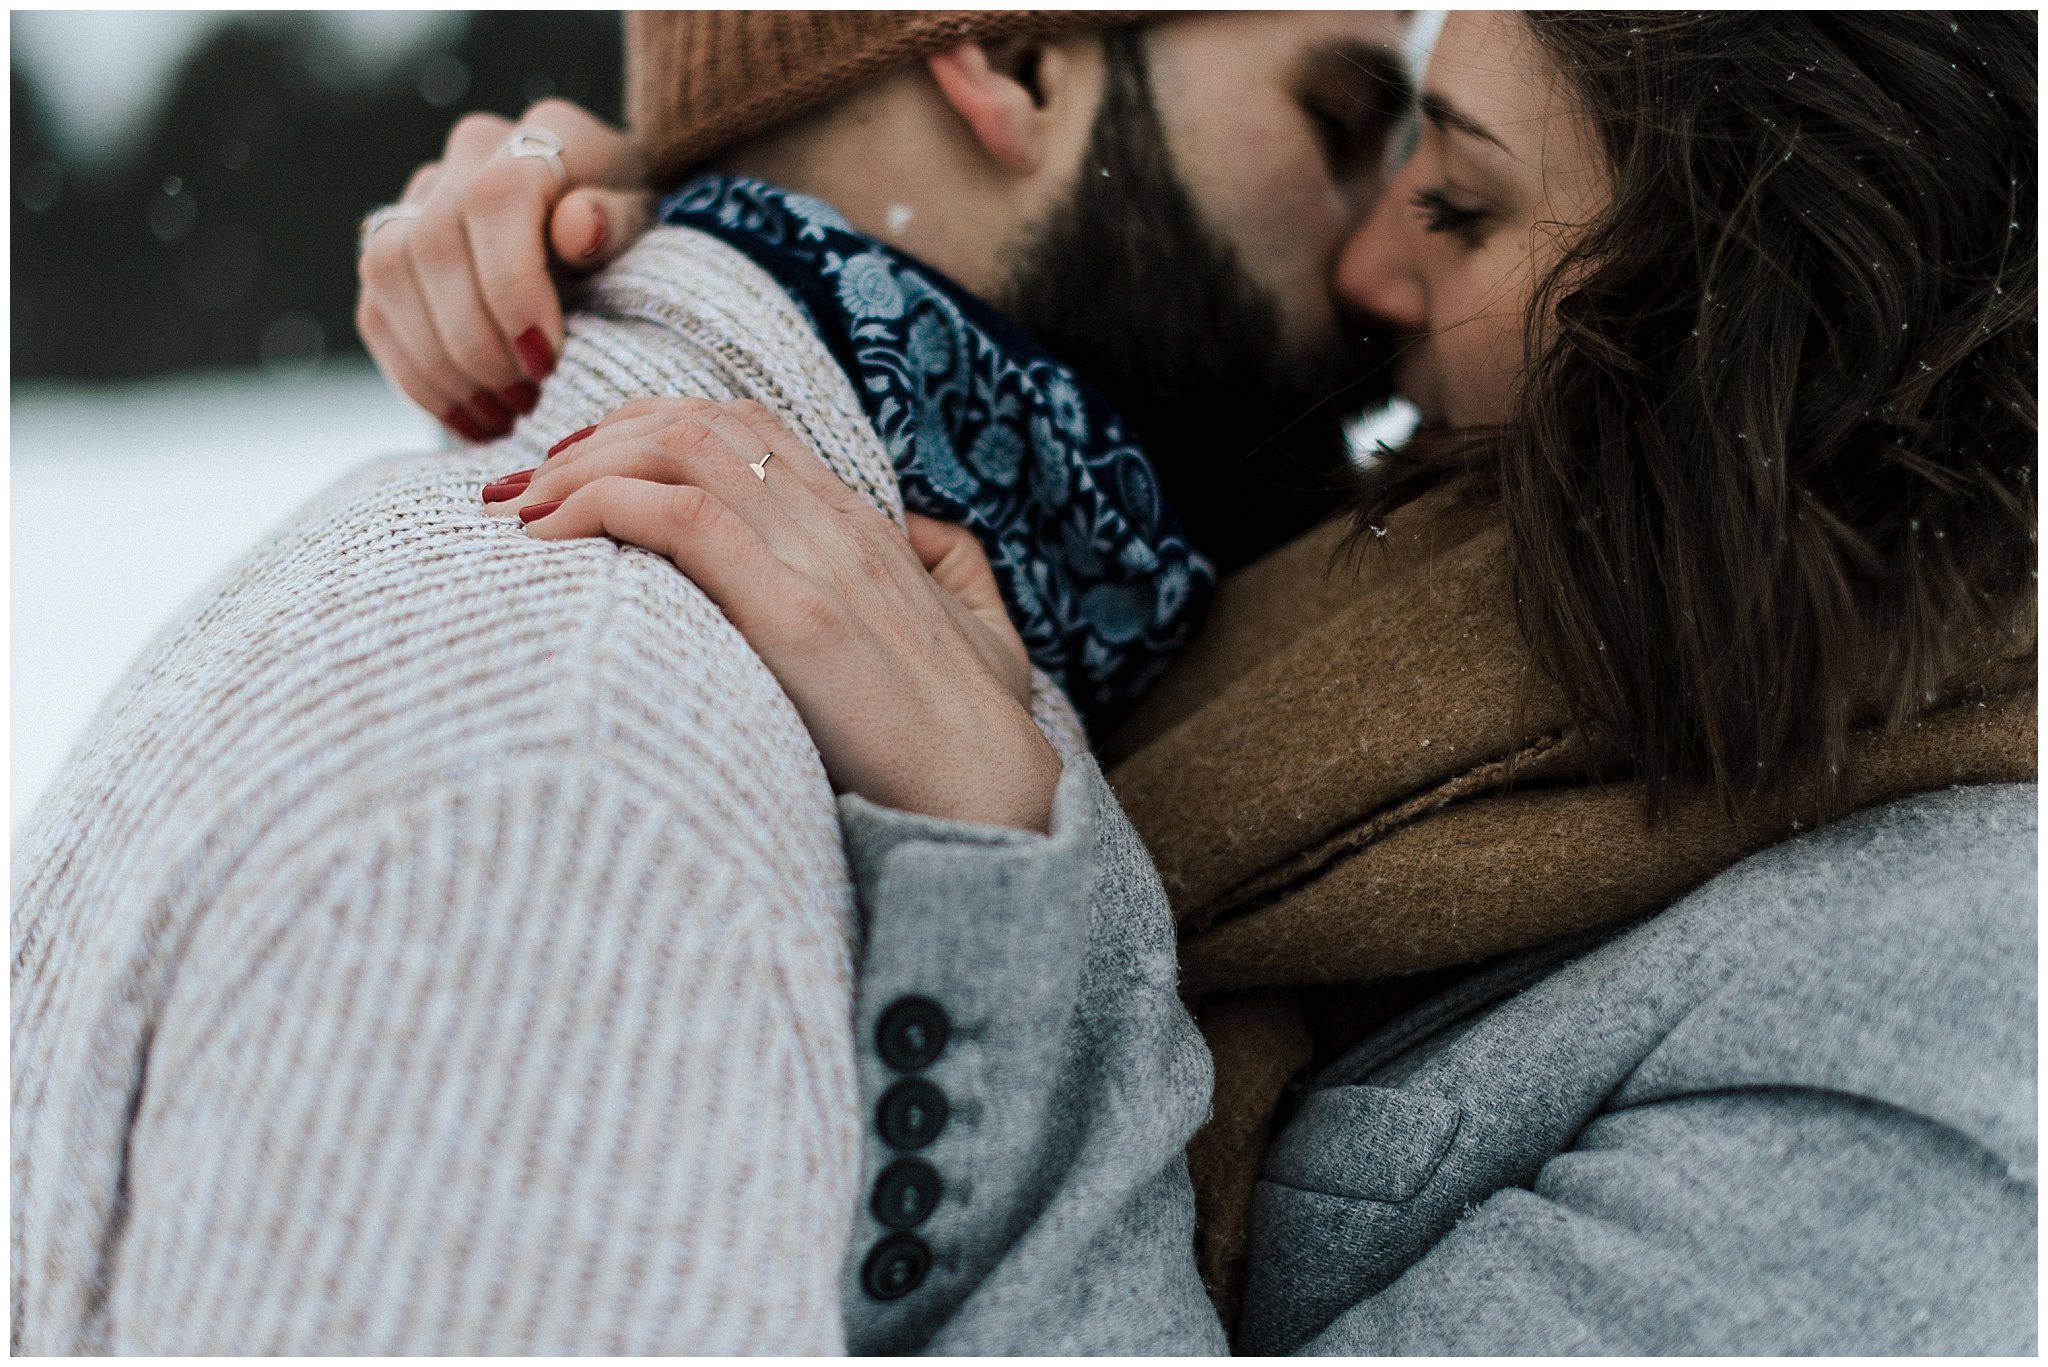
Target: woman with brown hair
1721,529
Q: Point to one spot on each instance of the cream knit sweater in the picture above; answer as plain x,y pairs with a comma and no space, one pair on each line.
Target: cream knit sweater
442,943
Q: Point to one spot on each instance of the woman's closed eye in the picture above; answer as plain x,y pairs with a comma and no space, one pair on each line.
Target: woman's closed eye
1441,215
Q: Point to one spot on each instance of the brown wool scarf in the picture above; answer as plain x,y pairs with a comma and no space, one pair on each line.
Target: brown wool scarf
700,81
1354,778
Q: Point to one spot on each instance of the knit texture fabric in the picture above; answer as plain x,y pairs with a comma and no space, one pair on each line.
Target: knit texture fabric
700,81
475,909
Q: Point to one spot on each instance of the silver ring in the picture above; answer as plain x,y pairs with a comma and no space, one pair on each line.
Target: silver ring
377,218
535,141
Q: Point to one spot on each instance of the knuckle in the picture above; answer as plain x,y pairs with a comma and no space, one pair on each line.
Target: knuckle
600,496
382,266
507,281
501,187
761,419
689,408
968,547
435,244
475,358
475,134
871,525
370,324
507,295
553,112
685,439
420,179
689,509
874,560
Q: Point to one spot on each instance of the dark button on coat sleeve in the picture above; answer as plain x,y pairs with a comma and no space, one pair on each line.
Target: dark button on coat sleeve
1017,1023
896,1267
911,1114
906,1193
912,1034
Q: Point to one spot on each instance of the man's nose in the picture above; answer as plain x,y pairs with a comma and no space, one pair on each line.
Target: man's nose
1378,281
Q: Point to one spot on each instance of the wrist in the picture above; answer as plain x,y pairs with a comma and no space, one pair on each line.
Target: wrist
996,770
1023,783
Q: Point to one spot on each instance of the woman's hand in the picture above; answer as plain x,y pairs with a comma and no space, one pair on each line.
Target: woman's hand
457,306
896,650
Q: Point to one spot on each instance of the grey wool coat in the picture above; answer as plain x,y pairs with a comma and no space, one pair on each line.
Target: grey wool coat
1792,1113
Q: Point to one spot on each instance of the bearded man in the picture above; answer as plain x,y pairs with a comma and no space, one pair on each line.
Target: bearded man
474,907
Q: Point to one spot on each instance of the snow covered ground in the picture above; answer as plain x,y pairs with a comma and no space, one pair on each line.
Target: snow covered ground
126,502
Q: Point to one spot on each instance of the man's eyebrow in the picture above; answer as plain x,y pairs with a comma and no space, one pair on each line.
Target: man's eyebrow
1451,119
1379,65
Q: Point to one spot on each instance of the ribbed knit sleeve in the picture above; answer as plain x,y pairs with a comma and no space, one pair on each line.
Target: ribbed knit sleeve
473,1092
442,942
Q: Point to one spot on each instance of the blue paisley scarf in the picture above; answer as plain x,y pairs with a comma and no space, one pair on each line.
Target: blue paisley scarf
986,429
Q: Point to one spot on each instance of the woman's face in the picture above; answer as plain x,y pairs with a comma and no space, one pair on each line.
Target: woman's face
1504,169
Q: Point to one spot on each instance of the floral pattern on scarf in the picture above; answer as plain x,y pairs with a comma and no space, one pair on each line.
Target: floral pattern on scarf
986,429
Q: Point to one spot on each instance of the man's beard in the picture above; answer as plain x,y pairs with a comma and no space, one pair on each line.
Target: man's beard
1126,283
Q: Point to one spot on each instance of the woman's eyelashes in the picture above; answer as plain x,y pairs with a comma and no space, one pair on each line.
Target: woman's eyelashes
1440,215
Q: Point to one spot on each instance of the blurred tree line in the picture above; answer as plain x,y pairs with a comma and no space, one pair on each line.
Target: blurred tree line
227,239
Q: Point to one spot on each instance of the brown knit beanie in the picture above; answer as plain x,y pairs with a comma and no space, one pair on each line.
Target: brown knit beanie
698,81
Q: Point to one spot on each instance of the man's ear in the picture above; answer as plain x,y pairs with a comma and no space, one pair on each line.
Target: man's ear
998,90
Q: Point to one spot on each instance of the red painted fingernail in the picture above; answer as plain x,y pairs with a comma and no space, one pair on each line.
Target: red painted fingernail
511,486
578,435
491,410
604,230
535,352
538,511
521,397
464,426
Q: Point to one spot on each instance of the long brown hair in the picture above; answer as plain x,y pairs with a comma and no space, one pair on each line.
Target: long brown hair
1772,460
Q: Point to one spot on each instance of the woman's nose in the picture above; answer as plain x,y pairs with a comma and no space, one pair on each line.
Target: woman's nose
1378,276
